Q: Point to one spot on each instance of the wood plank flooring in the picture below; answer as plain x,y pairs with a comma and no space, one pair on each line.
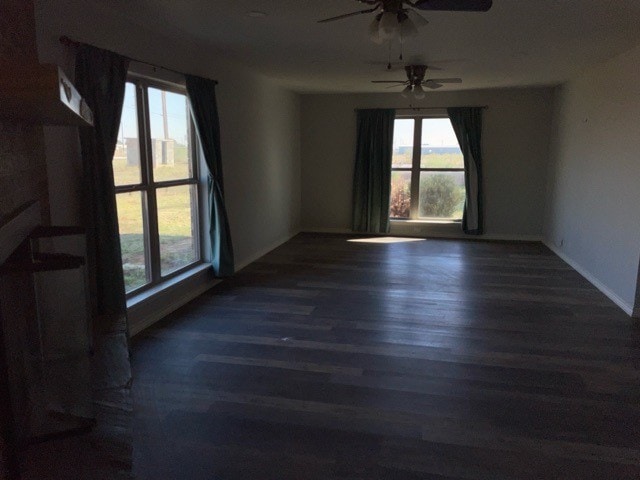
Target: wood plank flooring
438,359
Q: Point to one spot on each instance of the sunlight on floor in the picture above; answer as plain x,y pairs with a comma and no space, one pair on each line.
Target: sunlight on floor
386,240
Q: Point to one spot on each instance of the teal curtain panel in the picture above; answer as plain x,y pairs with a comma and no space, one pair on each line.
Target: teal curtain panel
202,97
467,123
372,172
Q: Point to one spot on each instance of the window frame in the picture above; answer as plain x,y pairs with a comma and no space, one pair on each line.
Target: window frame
148,186
416,169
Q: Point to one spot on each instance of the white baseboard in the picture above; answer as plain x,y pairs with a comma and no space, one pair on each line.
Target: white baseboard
145,320
327,230
434,234
477,238
628,309
262,252
508,238
149,311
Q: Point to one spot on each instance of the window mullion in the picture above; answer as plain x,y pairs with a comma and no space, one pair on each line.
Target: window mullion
151,203
141,107
143,187
175,183
415,168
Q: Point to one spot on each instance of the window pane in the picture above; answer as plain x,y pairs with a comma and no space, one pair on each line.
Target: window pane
441,195
440,147
400,202
132,239
176,226
126,159
170,135
402,143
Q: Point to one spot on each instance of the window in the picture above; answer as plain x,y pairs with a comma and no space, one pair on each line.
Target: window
156,178
427,171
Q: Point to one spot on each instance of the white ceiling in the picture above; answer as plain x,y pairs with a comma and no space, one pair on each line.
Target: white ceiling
516,43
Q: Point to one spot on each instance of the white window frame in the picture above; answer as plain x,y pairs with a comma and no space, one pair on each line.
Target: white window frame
148,187
416,169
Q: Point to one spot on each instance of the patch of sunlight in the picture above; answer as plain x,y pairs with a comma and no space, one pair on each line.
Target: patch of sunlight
386,240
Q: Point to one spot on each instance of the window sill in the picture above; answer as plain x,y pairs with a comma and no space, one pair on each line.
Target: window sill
427,228
173,282
425,222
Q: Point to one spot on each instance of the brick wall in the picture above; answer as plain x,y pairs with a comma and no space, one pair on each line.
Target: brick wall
23,172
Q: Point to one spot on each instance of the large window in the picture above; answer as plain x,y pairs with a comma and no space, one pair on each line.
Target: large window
155,174
427,171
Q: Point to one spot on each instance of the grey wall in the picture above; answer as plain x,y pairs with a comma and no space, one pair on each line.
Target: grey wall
516,136
259,124
593,218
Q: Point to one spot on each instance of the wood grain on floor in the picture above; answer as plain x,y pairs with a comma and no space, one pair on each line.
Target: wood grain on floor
329,359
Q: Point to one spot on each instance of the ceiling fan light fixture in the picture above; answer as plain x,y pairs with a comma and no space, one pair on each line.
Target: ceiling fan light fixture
408,29
406,92
374,31
388,25
418,92
417,19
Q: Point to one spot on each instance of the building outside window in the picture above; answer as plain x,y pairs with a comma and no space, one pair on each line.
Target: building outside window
156,177
427,171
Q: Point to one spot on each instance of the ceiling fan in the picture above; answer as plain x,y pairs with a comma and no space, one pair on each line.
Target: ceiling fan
400,17
415,81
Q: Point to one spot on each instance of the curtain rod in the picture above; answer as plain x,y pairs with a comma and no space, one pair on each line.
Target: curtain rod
69,42
415,109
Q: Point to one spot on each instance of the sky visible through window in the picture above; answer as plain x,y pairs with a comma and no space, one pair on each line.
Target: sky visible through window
437,132
176,115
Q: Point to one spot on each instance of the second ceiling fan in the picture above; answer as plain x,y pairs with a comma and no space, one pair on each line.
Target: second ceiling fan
415,81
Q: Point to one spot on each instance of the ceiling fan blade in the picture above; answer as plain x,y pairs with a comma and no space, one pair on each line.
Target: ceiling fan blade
347,15
430,84
417,19
454,5
443,80
399,82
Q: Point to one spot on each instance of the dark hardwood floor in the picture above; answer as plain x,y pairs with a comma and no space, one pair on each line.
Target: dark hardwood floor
328,359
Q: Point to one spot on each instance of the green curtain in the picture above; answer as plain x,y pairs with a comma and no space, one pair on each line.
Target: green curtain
202,97
467,123
372,173
100,77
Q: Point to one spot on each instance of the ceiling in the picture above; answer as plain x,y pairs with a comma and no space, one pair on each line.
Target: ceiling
516,43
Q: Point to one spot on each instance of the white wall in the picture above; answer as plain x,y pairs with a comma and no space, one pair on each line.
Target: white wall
515,144
636,309
260,124
593,218
261,155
